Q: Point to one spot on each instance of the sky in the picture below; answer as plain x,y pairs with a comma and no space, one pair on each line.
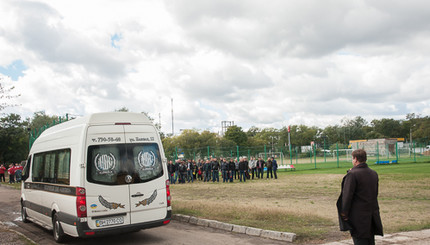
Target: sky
258,63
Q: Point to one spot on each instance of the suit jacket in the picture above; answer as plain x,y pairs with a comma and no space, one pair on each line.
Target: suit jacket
358,207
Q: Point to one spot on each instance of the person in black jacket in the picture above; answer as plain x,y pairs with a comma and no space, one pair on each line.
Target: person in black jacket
242,169
177,174
224,170
357,205
231,169
215,170
183,172
260,168
171,170
207,169
275,167
269,168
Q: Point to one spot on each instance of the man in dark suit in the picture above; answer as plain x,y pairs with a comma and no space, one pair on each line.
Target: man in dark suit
358,202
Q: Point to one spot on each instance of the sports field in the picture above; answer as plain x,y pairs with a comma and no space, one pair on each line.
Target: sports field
304,201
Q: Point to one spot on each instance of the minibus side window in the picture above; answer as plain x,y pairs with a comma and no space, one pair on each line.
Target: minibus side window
49,168
63,171
38,166
52,167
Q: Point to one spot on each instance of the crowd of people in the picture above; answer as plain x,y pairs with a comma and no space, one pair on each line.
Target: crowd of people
182,171
14,171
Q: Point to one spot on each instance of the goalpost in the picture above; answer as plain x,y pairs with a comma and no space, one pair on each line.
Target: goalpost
279,156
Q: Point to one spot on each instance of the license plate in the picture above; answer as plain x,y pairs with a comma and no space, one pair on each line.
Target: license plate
111,221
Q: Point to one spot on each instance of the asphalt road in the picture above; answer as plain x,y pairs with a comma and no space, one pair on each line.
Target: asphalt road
174,233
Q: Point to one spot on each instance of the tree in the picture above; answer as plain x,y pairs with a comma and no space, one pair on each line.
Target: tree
333,134
387,128
40,119
252,131
353,129
13,139
235,134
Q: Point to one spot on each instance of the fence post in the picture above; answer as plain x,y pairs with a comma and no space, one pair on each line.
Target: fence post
297,154
237,148
377,151
315,155
209,152
387,149
291,154
325,160
282,157
397,152
176,153
415,157
337,153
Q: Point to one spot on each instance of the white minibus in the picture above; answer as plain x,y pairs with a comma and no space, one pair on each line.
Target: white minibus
101,174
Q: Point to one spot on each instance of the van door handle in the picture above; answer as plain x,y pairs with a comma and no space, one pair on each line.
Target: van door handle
137,195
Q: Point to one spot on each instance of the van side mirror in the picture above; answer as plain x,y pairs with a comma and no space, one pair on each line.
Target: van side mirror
24,177
26,170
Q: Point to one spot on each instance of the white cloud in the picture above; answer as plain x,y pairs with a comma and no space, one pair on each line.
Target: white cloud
268,65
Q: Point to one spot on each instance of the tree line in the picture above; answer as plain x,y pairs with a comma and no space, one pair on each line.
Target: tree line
14,134
189,142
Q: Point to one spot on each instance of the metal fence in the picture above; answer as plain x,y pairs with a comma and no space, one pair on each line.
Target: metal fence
312,157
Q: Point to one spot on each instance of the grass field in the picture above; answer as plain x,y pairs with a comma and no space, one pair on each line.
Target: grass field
303,202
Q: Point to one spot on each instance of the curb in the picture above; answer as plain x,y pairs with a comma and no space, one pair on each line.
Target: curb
7,229
251,231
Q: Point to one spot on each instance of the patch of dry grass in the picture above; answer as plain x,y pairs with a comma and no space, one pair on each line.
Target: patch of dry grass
303,203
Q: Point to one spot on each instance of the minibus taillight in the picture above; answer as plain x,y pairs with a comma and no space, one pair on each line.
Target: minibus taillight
169,198
81,202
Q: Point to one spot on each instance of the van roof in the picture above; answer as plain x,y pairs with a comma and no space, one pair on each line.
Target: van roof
105,118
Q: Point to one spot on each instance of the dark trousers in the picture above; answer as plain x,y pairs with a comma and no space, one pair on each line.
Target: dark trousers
260,172
2,178
225,176
176,177
269,170
242,174
215,175
274,173
11,178
254,171
364,241
231,175
183,177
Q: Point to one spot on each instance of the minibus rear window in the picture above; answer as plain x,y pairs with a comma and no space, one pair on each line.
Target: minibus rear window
114,164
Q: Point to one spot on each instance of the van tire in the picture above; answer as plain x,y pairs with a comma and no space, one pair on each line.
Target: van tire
57,230
24,216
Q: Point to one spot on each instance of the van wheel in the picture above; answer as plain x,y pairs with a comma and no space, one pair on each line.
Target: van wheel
57,230
24,216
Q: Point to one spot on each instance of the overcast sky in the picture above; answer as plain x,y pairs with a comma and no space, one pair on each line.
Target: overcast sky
257,63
